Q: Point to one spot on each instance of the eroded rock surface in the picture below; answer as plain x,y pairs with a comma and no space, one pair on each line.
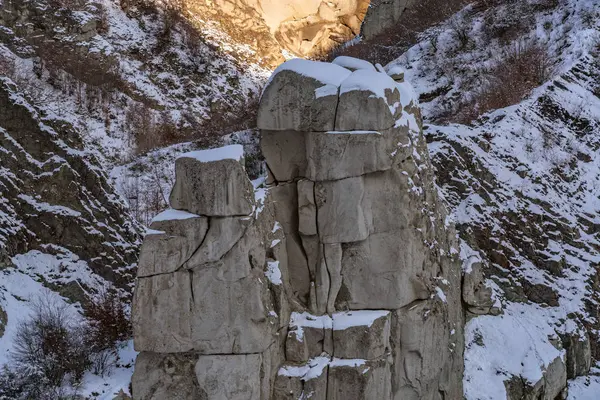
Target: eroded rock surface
305,28
341,282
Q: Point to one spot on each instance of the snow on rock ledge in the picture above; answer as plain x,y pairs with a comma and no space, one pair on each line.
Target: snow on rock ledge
213,183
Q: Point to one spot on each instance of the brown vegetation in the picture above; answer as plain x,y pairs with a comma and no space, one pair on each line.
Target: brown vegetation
524,67
391,43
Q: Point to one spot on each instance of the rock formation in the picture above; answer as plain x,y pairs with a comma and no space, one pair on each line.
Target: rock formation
305,28
338,280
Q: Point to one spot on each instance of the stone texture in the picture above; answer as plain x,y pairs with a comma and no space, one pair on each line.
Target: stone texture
475,293
234,291
165,376
290,102
369,101
338,155
286,154
222,234
579,354
231,377
308,380
362,341
343,215
307,209
218,188
165,298
426,354
168,251
359,379
385,271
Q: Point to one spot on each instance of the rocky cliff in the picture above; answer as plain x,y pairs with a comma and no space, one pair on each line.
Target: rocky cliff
337,279
303,28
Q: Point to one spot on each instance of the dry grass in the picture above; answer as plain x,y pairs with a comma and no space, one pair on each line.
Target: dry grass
391,43
524,67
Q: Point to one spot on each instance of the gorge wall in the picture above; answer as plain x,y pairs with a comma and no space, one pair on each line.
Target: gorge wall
303,28
336,278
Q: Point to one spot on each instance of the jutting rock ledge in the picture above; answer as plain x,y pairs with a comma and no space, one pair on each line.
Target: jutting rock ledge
338,279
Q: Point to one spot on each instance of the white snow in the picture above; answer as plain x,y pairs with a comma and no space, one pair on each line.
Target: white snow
349,319
342,362
395,70
172,214
231,152
312,369
353,63
273,273
306,320
514,344
326,73
585,387
370,81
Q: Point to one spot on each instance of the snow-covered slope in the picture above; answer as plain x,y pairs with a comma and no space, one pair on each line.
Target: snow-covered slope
522,184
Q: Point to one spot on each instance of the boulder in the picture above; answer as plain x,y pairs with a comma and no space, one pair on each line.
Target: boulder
369,100
343,215
222,234
307,209
425,355
476,295
174,238
338,154
302,96
361,334
385,271
308,336
192,305
213,183
285,152
579,354
308,380
166,298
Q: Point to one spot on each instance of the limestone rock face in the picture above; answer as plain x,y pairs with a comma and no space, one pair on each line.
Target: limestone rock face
342,283
214,188
306,28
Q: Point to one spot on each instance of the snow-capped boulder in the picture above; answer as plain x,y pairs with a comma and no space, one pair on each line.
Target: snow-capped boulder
301,96
213,183
369,100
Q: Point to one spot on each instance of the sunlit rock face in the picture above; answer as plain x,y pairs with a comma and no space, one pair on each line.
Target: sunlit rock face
303,28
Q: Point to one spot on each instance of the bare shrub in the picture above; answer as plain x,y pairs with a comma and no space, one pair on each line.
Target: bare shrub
108,320
524,67
51,344
108,324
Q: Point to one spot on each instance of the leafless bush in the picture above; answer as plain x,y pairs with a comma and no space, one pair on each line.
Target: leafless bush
108,324
461,30
524,67
50,343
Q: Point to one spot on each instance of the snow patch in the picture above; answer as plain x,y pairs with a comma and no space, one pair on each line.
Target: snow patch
231,152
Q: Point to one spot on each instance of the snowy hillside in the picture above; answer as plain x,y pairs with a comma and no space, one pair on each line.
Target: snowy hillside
522,184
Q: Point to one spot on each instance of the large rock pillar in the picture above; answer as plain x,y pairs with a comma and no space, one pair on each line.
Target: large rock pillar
338,281
372,260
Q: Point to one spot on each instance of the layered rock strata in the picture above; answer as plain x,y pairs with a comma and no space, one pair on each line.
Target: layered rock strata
340,282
